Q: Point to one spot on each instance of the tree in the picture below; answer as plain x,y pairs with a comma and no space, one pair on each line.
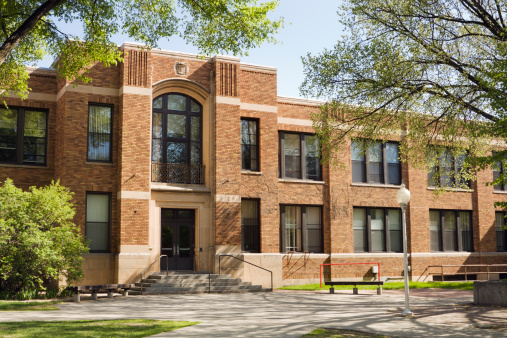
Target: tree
38,240
29,31
431,71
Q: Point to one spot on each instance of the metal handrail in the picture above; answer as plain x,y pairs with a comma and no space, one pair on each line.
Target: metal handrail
209,273
239,259
155,261
487,266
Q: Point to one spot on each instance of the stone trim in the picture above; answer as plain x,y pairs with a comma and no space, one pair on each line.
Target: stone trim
135,195
259,107
87,90
225,58
300,101
228,100
135,90
258,68
295,122
228,198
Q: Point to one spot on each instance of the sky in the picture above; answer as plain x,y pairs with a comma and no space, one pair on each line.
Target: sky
310,27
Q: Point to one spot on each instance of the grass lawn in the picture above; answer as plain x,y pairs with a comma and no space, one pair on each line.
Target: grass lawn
334,333
90,328
388,286
28,306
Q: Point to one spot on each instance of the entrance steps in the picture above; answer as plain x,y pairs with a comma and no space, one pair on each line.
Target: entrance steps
178,283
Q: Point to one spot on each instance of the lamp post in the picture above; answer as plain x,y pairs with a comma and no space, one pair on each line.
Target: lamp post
403,197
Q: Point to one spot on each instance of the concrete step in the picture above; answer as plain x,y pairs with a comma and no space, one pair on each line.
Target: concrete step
191,276
194,284
183,290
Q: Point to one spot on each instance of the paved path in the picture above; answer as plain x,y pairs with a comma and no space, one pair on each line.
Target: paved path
291,314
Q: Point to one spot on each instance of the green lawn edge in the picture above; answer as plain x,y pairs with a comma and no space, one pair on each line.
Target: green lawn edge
340,333
8,305
387,286
91,328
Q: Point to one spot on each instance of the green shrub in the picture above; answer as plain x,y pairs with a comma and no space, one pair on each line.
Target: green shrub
27,294
51,293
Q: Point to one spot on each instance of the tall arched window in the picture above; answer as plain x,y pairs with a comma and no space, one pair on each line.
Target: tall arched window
176,145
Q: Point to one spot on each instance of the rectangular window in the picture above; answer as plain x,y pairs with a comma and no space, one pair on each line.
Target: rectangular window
451,230
250,225
300,156
376,229
100,133
375,162
301,228
446,169
23,136
98,219
499,170
249,144
501,232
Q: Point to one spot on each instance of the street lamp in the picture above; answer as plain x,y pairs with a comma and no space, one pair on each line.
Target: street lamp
403,197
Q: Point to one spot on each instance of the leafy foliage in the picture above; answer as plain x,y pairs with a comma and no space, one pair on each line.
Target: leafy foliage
38,240
428,72
216,26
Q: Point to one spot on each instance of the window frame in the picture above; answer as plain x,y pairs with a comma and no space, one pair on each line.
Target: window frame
110,201
455,169
303,226
365,163
257,148
303,167
258,218
387,230
20,136
458,234
110,160
497,173
504,231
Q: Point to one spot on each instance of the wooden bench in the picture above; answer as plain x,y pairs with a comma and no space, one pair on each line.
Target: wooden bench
94,289
355,290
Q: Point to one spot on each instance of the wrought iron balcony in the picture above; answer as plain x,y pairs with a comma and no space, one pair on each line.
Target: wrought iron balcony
177,173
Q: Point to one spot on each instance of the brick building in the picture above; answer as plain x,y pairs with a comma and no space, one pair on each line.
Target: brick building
170,154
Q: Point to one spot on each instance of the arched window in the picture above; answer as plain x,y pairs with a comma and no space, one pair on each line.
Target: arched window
177,139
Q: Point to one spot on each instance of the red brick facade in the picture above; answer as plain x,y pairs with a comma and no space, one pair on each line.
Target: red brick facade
227,90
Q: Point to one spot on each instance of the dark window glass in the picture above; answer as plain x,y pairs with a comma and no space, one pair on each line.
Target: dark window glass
501,233
377,230
446,169
249,145
498,171
99,133
98,221
250,225
300,156
451,230
23,136
292,156
301,228
313,169
375,162
177,140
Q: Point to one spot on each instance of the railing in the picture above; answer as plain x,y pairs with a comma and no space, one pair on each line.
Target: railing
466,270
177,173
155,261
368,263
242,260
209,273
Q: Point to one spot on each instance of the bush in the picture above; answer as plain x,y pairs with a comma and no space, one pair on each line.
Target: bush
27,294
51,293
38,240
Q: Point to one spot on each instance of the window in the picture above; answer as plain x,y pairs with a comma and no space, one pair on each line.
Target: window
301,228
299,156
451,230
250,225
249,144
499,170
23,136
98,218
176,140
370,226
100,133
501,233
446,169
375,162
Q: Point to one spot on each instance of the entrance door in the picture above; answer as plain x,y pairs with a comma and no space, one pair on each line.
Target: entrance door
177,234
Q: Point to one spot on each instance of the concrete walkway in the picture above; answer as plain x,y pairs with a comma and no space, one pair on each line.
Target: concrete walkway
292,314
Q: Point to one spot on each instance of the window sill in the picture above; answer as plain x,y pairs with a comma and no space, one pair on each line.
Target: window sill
499,192
100,163
295,180
24,166
450,189
179,187
375,185
249,172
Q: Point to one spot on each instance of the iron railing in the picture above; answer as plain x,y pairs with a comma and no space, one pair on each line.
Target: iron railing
209,273
177,173
155,261
469,269
242,260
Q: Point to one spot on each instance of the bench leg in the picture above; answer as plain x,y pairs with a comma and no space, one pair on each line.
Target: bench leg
355,291
125,293
379,290
331,290
110,294
94,296
77,298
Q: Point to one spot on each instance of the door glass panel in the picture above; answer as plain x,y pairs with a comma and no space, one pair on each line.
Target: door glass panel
195,132
176,125
167,240
176,102
176,153
184,242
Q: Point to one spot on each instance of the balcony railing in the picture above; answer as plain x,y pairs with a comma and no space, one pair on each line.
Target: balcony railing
177,173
